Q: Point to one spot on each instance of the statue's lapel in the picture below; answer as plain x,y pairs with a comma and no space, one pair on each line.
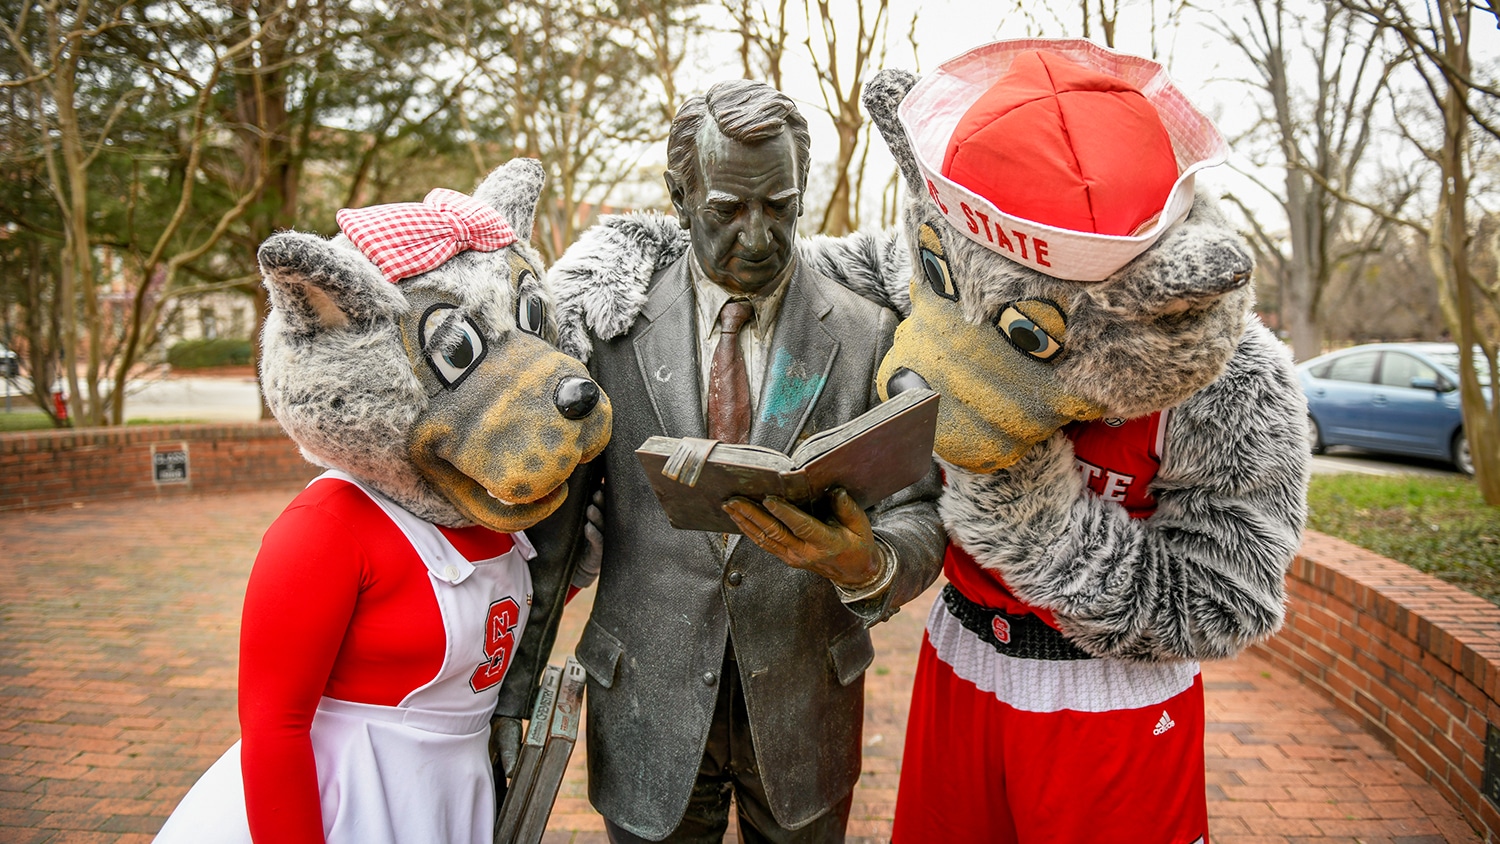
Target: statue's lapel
665,349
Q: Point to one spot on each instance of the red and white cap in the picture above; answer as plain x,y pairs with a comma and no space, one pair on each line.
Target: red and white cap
1060,155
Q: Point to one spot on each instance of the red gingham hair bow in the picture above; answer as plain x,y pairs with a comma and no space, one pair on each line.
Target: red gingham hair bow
405,239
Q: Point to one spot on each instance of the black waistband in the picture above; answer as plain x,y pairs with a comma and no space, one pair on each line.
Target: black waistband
1019,636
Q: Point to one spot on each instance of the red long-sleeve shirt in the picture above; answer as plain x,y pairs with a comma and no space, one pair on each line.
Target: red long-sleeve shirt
338,605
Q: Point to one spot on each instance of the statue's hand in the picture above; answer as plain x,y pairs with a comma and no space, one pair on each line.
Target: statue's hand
842,549
505,743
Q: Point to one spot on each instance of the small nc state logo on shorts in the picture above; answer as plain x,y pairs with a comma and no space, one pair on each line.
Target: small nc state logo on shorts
1001,628
1166,723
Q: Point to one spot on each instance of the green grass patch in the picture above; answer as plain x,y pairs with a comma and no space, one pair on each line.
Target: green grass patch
24,420
35,420
1439,525
198,354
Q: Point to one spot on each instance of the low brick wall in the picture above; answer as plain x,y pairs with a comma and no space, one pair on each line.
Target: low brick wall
1415,659
53,468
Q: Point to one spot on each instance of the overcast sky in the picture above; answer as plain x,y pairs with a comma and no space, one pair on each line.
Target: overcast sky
1200,63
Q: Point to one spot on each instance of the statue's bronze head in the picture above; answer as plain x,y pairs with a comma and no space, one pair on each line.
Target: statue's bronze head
737,161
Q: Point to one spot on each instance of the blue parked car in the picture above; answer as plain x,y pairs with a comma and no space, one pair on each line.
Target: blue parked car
1397,398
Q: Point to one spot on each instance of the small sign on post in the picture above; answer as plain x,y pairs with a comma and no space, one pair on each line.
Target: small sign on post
169,463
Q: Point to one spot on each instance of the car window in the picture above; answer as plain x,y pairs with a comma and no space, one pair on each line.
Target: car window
1398,370
1450,359
1358,368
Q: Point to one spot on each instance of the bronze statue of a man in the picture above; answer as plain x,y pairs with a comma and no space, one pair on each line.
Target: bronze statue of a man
720,667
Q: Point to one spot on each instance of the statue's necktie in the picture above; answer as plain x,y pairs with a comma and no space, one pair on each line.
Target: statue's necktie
728,381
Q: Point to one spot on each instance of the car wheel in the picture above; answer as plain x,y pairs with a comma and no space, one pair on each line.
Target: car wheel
1314,436
1462,459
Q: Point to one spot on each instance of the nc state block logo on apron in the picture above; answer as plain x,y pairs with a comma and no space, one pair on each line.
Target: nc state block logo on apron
1001,628
499,644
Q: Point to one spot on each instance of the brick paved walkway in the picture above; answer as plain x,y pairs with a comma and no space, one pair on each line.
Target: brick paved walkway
118,627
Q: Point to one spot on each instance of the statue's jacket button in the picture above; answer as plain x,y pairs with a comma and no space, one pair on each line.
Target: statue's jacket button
735,577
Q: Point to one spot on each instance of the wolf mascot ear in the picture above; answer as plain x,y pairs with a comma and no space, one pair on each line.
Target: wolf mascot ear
882,97
315,284
513,189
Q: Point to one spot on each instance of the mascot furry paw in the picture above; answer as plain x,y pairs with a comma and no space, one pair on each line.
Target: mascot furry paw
1121,441
413,358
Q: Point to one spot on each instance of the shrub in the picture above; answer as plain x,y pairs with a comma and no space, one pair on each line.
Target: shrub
197,354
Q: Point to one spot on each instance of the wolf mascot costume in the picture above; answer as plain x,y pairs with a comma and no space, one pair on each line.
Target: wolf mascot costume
412,357
1121,439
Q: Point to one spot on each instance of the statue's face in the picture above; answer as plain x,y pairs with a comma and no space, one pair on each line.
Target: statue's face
742,217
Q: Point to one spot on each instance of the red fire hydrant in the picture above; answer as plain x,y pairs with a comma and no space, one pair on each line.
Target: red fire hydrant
60,405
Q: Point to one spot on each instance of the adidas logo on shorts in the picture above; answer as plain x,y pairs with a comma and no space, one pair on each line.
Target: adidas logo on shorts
1166,723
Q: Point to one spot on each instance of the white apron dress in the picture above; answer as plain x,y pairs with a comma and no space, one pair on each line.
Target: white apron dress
415,773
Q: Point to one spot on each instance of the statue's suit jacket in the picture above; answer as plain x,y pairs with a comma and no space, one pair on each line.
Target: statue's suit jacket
668,601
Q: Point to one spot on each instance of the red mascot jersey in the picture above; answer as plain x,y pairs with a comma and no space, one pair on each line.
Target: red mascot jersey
1118,460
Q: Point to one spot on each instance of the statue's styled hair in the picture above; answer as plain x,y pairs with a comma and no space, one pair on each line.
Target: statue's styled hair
744,110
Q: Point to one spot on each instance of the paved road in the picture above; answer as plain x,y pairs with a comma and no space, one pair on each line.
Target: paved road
118,629
169,398
1345,459
208,399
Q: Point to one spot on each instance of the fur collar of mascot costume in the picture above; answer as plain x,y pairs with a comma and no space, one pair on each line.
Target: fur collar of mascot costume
413,357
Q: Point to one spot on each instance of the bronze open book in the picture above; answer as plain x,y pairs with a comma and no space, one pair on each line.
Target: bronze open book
882,451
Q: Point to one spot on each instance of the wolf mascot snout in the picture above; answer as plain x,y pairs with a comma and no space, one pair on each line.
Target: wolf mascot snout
1121,439
412,357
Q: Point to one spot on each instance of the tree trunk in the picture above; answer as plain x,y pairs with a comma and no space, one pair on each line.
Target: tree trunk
265,139
78,265
837,217
1302,328
1481,424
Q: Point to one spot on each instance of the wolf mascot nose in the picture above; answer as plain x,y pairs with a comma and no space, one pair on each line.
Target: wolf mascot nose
904,379
576,397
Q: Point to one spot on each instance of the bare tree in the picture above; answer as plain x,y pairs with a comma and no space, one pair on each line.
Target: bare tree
575,86
841,87
763,37
1108,14
1437,36
1386,296
1319,138
1099,20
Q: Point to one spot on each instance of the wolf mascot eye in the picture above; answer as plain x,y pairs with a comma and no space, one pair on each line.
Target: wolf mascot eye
531,312
1026,325
935,264
452,357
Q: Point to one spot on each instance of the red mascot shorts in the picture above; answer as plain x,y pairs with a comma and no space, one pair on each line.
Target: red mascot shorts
1046,747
